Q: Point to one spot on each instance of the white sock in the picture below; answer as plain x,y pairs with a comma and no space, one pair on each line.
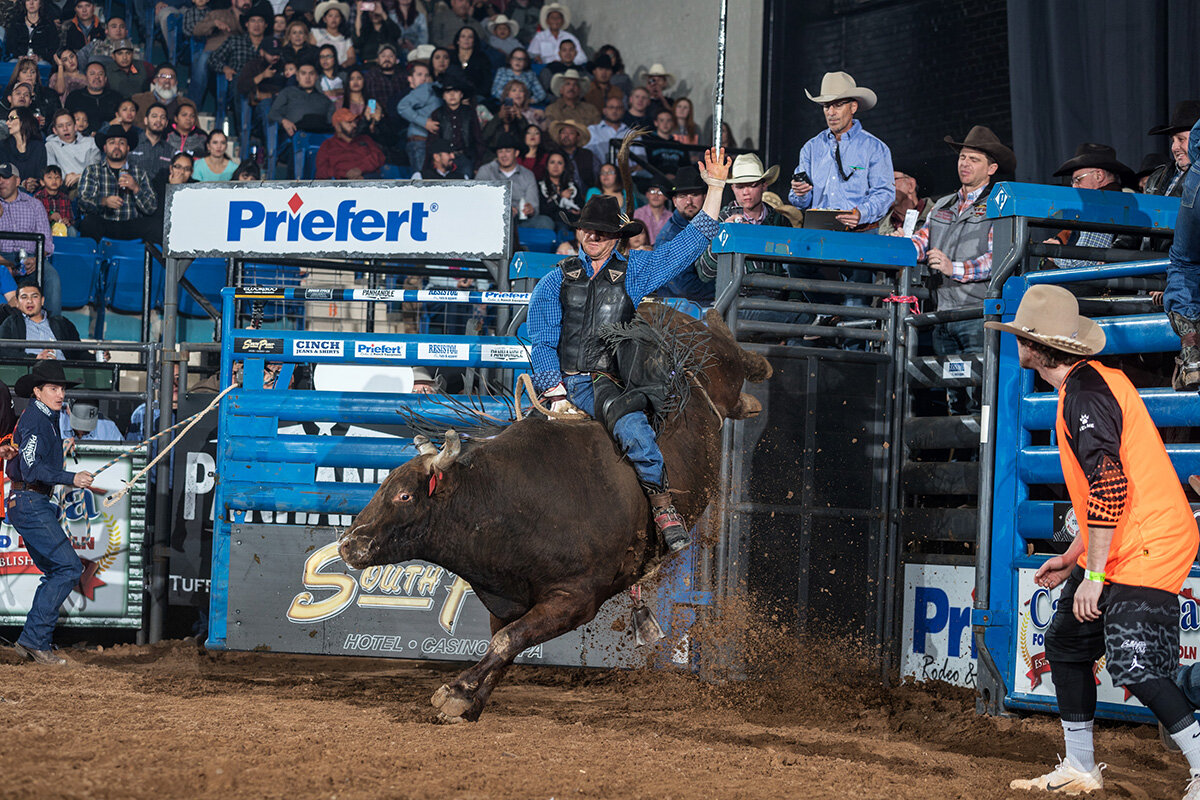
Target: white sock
1188,740
1080,752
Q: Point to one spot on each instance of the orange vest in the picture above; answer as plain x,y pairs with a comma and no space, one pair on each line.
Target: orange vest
1155,542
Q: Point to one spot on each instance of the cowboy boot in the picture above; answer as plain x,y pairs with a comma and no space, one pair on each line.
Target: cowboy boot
667,520
1186,376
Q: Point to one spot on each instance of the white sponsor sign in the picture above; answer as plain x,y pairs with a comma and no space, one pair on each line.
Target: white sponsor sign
505,352
389,350
443,351
318,347
937,641
956,368
453,219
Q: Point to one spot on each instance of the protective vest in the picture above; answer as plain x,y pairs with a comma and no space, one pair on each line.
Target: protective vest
1155,541
962,237
588,304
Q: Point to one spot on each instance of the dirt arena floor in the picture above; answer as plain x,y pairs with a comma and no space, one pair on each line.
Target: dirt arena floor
173,721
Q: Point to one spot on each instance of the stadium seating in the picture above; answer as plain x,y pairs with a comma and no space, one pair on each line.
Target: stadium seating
78,265
124,271
540,240
207,275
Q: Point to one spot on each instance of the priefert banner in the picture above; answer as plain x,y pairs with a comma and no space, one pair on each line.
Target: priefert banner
427,219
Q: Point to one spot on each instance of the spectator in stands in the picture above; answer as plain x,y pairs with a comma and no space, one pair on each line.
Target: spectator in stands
602,87
662,151
620,78
611,127
906,200
440,163
22,213
152,154
217,165
1150,164
45,100
355,98
956,241
417,108
96,99
470,64
168,18
214,26
533,155
101,50
509,119
185,136
298,47
34,323
385,81
572,138
502,34
565,61
67,77
559,193
686,131
458,124
331,17
81,28
687,196
116,196
69,149
1167,181
24,148
125,76
413,20
178,171
127,117
638,114
658,80
164,89
331,81
655,213
1182,297
518,70
610,184
524,187
234,52
260,80
373,31
192,17
569,87
447,19
1094,166
32,33
81,122
83,422
555,19
439,61
347,154
56,202
247,172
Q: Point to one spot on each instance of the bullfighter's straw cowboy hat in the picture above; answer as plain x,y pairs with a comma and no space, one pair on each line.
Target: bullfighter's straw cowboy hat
981,138
840,86
1050,315
748,169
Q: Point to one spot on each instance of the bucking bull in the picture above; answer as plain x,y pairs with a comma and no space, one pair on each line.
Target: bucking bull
546,520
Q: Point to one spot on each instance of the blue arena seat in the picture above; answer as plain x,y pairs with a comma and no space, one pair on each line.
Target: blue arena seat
539,240
393,172
207,275
78,265
124,269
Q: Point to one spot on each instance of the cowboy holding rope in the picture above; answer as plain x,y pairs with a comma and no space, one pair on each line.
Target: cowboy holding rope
601,287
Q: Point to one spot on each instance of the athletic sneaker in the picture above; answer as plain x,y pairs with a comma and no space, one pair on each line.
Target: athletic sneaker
1193,788
1067,779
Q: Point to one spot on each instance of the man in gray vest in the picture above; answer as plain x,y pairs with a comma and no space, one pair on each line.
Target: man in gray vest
956,241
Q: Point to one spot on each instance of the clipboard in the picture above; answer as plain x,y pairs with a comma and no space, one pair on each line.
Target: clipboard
824,219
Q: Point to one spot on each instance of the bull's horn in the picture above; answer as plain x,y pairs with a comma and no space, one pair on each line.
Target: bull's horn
424,446
450,451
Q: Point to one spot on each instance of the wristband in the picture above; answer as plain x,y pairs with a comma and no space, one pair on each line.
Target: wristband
710,180
1092,575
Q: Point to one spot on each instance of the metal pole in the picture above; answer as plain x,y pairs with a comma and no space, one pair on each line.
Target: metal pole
719,84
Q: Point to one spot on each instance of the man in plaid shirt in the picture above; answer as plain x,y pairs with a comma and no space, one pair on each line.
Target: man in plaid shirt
114,195
235,51
21,213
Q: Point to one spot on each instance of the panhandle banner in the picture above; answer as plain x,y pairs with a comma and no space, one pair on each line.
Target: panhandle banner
108,540
428,219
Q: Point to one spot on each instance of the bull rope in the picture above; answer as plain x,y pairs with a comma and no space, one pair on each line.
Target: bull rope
525,386
189,422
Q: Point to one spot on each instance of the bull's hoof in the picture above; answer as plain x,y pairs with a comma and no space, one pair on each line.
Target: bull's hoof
451,702
445,719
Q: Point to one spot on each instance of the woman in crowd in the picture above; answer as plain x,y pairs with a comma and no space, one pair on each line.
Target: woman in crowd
656,212
67,77
298,47
31,32
24,148
247,171
217,165
518,70
355,99
727,140
329,75
373,31
610,184
126,114
685,127
413,20
44,101
331,18
533,156
518,93
439,62
559,192
177,172
185,137
620,78
470,64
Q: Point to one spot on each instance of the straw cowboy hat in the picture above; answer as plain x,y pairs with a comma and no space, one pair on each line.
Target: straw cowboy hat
43,372
840,86
1183,117
1050,315
323,8
659,71
1101,156
793,214
560,8
570,74
981,138
603,213
748,169
556,127
422,52
500,19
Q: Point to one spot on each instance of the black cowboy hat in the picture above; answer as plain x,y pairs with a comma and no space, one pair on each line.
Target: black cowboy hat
116,132
448,82
1151,162
437,144
44,371
603,61
603,213
688,179
981,138
1101,156
506,141
263,10
1183,118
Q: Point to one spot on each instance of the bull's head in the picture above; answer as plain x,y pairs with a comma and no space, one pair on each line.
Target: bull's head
734,364
398,514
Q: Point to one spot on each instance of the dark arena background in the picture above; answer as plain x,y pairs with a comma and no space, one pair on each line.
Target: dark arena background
857,613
